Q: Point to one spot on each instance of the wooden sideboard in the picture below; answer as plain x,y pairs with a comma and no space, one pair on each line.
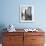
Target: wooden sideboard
23,38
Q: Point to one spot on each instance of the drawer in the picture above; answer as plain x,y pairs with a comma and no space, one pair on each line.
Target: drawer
37,44
27,37
27,41
8,45
34,33
12,39
14,44
37,39
13,33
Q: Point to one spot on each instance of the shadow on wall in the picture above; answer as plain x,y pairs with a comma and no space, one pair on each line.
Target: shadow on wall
2,26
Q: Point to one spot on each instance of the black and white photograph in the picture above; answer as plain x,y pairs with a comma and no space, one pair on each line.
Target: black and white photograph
26,13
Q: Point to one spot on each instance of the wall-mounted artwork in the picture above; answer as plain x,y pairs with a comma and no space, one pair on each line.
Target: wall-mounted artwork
26,13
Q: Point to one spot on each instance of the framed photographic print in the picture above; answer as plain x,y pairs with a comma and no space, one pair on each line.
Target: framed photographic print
26,13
